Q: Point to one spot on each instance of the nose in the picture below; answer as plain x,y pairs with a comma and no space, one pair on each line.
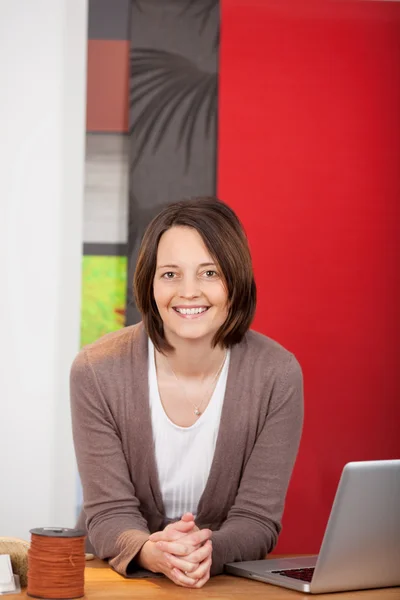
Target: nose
189,287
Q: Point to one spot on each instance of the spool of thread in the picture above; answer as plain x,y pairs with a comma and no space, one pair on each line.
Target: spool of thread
56,563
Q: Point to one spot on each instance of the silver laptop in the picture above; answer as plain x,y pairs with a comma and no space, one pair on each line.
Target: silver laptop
361,545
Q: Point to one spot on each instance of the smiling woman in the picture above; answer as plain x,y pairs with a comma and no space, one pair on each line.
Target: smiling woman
189,291
187,425
185,244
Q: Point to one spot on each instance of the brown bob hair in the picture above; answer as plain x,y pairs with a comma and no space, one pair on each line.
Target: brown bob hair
225,239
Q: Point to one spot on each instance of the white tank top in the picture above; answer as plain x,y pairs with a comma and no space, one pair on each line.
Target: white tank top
184,454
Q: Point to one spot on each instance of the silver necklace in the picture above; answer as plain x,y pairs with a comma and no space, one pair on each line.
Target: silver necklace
197,408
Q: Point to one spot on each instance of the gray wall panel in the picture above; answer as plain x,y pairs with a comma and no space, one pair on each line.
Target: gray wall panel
109,19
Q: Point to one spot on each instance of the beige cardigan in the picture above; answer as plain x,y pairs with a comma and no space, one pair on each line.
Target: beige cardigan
256,448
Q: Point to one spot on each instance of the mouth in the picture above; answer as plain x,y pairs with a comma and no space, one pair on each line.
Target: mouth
192,312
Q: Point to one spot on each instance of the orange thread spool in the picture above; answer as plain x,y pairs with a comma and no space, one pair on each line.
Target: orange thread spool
56,563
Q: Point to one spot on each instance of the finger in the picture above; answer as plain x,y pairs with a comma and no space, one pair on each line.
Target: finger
202,581
200,554
197,537
187,517
172,532
166,536
201,570
187,544
177,548
174,578
181,563
182,579
181,525
193,530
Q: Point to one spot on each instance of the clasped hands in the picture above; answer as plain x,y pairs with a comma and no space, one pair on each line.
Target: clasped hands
182,552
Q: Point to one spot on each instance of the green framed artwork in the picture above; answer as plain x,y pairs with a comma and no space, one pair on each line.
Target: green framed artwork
104,280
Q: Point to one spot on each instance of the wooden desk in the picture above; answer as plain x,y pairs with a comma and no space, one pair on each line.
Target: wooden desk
102,583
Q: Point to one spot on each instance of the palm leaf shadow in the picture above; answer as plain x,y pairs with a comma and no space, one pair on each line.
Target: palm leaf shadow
136,4
203,11
168,85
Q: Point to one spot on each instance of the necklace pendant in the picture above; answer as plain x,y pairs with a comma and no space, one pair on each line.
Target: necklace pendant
197,412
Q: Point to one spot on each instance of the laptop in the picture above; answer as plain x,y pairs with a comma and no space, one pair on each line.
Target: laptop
361,544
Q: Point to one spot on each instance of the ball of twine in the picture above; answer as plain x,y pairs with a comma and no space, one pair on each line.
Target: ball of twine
18,551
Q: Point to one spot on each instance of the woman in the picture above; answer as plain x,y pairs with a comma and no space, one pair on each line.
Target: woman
187,425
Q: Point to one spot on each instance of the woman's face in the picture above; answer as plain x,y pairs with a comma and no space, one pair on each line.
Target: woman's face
188,287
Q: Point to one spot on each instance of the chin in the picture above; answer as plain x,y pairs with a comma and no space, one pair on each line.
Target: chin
192,332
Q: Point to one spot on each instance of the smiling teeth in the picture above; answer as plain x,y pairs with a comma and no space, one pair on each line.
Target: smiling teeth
191,311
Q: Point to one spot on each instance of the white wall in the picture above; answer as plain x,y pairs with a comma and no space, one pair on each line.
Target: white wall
42,127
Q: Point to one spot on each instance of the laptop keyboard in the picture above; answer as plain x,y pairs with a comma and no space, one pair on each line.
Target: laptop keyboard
300,574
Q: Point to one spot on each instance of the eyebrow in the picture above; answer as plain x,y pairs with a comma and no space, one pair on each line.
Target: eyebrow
207,264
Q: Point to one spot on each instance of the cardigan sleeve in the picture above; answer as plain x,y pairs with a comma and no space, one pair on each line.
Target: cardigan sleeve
252,526
116,527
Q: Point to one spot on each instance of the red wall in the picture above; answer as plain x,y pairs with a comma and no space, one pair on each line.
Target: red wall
309,157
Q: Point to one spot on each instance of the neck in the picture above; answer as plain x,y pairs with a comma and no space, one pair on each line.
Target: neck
194,358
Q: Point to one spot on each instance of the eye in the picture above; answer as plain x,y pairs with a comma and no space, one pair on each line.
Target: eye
169,275
211,274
